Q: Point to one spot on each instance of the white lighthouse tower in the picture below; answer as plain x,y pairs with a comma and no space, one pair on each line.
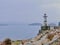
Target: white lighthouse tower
45,19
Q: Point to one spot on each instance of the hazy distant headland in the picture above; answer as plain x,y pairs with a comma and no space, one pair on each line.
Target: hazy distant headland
39,24
3,24
35,24
31,24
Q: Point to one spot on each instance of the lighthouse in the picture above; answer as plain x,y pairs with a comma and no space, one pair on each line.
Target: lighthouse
45,25
45,19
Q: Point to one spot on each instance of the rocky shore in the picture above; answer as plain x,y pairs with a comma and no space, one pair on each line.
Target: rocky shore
48,37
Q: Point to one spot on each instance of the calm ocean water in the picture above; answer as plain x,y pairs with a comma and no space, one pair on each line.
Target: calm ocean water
18,31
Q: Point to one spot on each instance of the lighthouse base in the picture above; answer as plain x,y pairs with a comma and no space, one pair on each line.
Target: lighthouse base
45,27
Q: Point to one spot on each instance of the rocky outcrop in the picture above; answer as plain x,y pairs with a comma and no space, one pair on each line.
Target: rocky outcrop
45,38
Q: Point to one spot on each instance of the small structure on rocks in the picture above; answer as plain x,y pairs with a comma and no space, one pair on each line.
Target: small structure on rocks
7,42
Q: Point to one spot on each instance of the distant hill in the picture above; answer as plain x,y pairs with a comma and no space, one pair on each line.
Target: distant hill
35,24
3,24
52,24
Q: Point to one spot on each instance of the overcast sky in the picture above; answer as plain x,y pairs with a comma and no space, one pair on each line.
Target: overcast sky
29,11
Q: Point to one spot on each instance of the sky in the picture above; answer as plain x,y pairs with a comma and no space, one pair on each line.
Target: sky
29,11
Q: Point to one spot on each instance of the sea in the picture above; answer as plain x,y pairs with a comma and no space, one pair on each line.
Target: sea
18,31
